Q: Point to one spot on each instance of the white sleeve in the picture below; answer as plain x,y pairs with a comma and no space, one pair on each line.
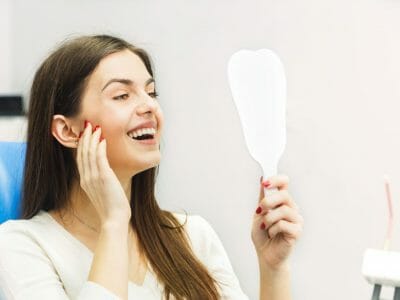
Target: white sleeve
218,263
26,272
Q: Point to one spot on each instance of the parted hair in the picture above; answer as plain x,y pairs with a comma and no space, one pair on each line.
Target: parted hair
51,170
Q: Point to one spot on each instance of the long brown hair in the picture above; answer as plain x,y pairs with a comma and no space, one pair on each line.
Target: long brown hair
50,168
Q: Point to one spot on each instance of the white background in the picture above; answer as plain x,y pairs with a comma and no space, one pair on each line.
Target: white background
343,71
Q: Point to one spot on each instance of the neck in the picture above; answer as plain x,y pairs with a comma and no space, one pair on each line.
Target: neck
81,209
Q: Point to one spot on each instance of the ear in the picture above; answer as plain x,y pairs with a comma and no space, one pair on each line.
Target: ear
65,131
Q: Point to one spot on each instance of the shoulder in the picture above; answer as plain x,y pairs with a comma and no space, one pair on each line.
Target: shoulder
200,232
208,247
194,225
21,250
39,221
23,232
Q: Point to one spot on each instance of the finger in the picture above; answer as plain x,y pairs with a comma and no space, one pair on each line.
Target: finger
283,212
280,182
102,160
85,142
289,229
277,199
92,154
79,155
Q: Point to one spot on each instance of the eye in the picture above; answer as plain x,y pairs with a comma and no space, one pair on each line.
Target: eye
121,97
153,94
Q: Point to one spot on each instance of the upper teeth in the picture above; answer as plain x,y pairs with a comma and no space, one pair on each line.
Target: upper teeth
141,131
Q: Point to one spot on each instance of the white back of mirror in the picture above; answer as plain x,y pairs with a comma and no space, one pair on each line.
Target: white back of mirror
258,84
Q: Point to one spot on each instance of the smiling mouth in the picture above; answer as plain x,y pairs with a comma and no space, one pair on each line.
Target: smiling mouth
146,139
143,137
142,134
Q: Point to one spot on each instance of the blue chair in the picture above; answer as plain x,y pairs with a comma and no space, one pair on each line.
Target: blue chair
12,159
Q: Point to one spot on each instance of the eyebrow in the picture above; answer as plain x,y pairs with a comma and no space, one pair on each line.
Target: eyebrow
126,82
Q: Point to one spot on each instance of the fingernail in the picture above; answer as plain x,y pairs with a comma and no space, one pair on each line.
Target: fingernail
80,134
266,183
259,209
261,178
262,226
86,123
97,127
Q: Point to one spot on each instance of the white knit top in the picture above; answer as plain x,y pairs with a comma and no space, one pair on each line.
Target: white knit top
40,259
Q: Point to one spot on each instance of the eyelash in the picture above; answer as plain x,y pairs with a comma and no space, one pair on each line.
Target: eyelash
153,95
125,96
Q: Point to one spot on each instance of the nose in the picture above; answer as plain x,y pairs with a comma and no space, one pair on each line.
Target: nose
147,105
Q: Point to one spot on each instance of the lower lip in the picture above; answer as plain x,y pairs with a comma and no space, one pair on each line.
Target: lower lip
147,142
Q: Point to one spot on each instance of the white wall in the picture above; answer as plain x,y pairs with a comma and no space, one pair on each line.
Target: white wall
343,68
5,47
11,128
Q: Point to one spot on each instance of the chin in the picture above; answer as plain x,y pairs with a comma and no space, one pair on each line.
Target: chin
141,166
150,165
134,160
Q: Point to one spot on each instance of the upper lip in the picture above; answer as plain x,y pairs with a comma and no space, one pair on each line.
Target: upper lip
149,124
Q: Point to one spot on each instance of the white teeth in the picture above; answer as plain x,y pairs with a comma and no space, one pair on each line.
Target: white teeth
139,132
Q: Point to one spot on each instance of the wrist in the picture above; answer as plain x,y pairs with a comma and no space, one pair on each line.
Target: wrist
280,268
114,225
275,282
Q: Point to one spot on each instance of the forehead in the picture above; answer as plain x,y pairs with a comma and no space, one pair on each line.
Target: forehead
123,64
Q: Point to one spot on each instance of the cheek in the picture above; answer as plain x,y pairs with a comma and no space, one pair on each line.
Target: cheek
160,117
112,130
112,123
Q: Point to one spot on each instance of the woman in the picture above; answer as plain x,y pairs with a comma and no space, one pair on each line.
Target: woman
91,227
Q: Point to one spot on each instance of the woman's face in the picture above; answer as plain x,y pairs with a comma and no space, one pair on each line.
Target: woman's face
120,96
